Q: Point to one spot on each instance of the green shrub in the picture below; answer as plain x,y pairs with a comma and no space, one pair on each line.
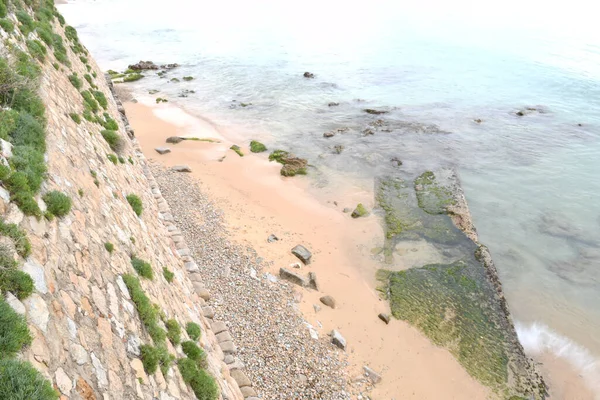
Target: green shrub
3,10
100,98
173,331
29,132
87,114
89,79
26,203
31,163
8,123
194,352
80,192
62,57
133,77
37,49
7,260
17,282
46,35
75,117
90,102
143,268
60,18
203,385
75,81
27,68
136,203
14,333
193,330
27,23
71,34
19,380
112,158
58,203
109,247
19,238
113,139
7,25
257,147
83,60
148,313
121,160
168,275
153,357
4,172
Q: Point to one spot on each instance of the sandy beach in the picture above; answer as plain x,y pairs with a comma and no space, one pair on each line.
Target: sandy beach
257,202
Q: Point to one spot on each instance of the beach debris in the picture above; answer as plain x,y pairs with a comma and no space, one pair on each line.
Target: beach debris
162,150
302,253
359,211
328,301
174,139
312,281
396,162
384,317
333,104
293,277
374,112
338,340
181,168
272,238
309,75
271,278
373,376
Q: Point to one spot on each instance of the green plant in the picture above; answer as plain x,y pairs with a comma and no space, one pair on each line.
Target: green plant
148,313
75,81
161,100
203,385
194,352
100,98
83,59
17,282
71,34
7,25
8,122
143,268
121,160
3,10
37,49
173,331
19,238
112,158
136,203
75,117
19,380
168,275
278,155
113,139
14,333
152,357
109,123
193,330
27,23
109,247
80,192
58,203
90,102
174,80
130,160
257,147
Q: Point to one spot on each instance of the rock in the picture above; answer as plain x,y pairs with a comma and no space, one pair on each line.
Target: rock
169,66
338,148
37,311
294,166
328,301
218,327
312,281
78,353
333,104
15,303
248,391
309,75
346,210
174,139
228,347
224,337
317,308
338,340
203,293
63,381
6,148
229,359
478,120
296,265
36,272
272,238
85,390
384,317
372,375
302,253
208,312
359,211
293,277
329,134
133,345
181,168
374,112
241,378
162,150
143,65
396,162
100,371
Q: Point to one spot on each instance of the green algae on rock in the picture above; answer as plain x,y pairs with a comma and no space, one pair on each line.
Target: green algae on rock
257,147
237,149
432,195
359,211
292,165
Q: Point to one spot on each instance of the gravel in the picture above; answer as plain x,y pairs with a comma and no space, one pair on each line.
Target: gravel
273,340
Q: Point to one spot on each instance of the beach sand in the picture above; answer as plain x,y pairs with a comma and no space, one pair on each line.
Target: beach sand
257,202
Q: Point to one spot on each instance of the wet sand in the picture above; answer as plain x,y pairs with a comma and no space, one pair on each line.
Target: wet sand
258,202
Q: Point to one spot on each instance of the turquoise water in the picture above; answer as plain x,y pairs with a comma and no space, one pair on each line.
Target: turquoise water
532,182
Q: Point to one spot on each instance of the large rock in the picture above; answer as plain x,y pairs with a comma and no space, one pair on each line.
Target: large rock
37,311
384,317
338,340
293,277
309,75
143,65
328,301
162,150
181,168
302,253
174,139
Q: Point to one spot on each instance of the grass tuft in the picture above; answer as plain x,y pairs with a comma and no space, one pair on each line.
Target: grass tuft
19,380
58,203
143,268
168,275
193,330
136,204
173,331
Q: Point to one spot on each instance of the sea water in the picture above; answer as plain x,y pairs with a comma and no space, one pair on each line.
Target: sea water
532,182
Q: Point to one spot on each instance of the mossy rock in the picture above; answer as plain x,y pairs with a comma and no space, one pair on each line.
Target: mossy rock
432,196
237,149
359,211
257,147
292,165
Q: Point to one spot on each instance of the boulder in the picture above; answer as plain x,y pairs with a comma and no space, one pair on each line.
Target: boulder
309,75
143,65
338,340
293,277
162,150
328,301
294,166
181,168
174,139
384,317
302,253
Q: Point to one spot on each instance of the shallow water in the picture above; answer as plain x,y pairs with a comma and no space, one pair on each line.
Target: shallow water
531,181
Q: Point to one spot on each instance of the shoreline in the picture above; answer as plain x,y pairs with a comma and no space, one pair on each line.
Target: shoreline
250,190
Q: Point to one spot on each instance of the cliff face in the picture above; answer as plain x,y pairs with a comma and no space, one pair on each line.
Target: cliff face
86,328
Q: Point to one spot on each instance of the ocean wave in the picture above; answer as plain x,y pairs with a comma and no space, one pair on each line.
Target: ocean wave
538,338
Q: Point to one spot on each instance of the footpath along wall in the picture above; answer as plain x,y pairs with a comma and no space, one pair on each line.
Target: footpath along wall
114,285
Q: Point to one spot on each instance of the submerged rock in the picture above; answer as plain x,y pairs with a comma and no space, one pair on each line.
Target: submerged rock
432,195
332,104
257,147
302,253
309,75
329,134
237,149
374,112
338,148
396,162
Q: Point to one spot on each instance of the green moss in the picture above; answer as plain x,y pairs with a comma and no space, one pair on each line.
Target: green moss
173,331
113,139
75,81
18,236
19,380
203,385
432,197
14,333
133,77
136,204
7,25
278,155
188,78
58,203
109,247
143,268
289,170
237,149
175,80
193,330
168,275
75,117
257,147
161,100
359,211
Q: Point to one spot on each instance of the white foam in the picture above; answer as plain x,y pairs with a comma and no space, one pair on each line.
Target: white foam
537,338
